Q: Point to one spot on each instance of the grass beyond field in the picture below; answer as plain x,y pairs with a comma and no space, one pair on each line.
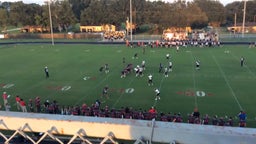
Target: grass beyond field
221,87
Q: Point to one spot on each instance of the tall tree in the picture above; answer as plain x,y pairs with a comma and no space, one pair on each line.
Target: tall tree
138,8
62,15
17,14
237,8
234,10
31,11
78,6
118,11
251,11
180,13
96,14
195,17
3,18
214,10
23,14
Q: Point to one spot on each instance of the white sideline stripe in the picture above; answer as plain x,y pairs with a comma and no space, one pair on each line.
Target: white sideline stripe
226,80
194,80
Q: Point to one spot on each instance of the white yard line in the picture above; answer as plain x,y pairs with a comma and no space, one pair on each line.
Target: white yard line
226,80
118,100
96,86
162,80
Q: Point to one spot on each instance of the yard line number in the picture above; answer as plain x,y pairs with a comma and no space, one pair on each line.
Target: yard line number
6,86
129,90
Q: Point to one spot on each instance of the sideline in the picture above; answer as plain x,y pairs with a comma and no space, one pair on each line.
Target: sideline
82,41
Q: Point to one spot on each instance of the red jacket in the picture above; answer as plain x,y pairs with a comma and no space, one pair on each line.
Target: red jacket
22,103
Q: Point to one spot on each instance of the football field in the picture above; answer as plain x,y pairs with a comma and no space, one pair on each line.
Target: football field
221,87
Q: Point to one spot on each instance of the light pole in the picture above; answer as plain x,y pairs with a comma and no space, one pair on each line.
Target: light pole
235,24
50,15
131,19
244,12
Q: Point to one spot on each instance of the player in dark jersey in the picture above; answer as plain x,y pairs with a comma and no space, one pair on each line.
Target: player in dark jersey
242,61
105,92
150,80
160,68
106,67
46,72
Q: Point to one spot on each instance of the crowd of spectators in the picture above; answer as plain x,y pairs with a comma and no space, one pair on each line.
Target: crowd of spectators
198,39
174,43
97,110
114,35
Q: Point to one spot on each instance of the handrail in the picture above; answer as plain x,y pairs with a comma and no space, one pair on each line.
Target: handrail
127,129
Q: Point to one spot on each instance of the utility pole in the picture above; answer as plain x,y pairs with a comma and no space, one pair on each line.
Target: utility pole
244,13
131,19
50,16
235,24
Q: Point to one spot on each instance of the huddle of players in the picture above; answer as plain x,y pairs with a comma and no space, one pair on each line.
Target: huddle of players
139,69
139,72
104,68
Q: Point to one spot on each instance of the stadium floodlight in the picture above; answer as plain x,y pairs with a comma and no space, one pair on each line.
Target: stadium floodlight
131,19
50,17
244,13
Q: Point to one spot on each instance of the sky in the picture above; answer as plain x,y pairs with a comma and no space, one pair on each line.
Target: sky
224,2
26,1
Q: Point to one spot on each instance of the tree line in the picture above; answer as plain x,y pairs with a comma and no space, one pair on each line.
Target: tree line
157,14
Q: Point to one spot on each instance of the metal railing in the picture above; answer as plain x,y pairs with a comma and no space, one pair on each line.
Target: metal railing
111,129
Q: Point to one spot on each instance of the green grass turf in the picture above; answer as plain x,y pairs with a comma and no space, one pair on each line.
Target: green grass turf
228,87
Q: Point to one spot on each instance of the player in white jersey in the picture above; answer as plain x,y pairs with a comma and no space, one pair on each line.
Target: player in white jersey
150,80
197,64
137,70
143,65
157,91
170,66
168,56
177,48
141,71
166,72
